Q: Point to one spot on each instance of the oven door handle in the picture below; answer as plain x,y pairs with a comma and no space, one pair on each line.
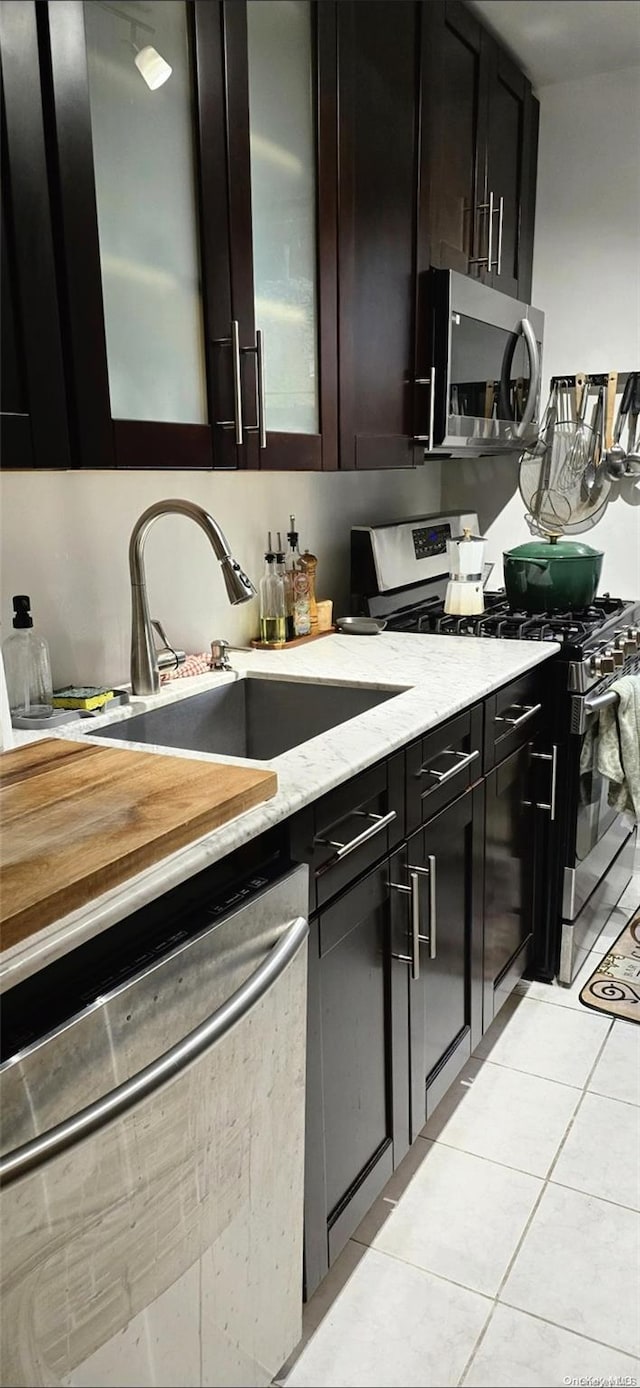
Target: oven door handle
583,709
158,1072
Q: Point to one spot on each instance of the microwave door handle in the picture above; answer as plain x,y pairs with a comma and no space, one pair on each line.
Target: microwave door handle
534,378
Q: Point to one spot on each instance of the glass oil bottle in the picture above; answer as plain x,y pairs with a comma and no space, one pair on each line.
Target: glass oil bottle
273,626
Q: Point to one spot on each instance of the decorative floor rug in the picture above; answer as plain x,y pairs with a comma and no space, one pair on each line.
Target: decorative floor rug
614,987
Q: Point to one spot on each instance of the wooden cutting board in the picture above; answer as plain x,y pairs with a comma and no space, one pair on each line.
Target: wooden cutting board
76,819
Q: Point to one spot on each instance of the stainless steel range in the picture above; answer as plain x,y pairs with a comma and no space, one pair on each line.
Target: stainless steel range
399,572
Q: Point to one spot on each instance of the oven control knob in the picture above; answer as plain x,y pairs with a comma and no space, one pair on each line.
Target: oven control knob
634,635
602,664
627,644
618,659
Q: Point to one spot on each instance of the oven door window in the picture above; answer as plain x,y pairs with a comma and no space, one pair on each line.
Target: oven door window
594,812
489,372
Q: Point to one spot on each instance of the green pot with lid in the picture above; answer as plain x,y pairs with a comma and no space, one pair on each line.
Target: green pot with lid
552,575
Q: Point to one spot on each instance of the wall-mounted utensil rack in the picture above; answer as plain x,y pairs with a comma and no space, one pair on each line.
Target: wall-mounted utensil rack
595,379
626,385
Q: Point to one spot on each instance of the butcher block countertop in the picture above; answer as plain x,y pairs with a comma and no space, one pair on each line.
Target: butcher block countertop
434,678
77,819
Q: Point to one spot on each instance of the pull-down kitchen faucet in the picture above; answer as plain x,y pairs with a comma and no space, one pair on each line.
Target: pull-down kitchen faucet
145,674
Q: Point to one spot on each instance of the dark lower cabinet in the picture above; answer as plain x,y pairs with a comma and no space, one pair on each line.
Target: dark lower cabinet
443,862
357,1066
510,829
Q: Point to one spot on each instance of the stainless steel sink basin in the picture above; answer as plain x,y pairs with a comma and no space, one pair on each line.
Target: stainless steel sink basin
254,718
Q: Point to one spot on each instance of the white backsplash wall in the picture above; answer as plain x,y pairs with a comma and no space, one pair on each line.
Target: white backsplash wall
65,540
586,279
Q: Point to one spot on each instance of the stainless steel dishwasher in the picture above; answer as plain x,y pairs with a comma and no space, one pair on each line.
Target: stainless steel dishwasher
152,1139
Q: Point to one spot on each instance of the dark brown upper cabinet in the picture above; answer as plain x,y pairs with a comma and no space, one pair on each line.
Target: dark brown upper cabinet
378,89
511,159
280,122
192,218
33,407
479,153
220,269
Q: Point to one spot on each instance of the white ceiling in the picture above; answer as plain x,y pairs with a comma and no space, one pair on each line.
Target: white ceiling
555,41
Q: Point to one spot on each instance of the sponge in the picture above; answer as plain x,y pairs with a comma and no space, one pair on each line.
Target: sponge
87,697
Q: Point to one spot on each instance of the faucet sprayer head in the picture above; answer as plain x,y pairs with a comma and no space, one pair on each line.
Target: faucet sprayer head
238,585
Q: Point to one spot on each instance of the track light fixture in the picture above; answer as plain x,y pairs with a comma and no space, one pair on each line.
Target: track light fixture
152,66
150,63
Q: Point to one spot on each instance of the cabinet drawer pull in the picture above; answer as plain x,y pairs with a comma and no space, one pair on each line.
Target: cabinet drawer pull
551,756
500,223
430,872
260,428
488,258
416,938
380,822
234,342
464,759
433,907
429,381
528,711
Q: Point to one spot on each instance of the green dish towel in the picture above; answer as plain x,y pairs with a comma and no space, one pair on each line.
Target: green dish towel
618,746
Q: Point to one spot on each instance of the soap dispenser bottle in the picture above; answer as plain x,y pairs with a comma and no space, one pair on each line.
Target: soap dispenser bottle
27,666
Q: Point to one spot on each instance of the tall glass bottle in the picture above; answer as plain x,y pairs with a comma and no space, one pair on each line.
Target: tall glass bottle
273,628
297,585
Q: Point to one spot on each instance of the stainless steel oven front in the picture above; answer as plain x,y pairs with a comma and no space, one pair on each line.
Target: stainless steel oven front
484,381
601,842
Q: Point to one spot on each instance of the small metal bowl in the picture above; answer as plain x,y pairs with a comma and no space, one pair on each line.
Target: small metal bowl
360,626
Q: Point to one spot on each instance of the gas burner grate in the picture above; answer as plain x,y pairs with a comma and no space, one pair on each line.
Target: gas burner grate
572,630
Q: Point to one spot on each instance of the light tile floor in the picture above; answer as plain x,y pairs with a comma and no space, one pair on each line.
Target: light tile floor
506,1247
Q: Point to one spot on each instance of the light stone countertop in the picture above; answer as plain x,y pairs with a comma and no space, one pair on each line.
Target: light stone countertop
434,676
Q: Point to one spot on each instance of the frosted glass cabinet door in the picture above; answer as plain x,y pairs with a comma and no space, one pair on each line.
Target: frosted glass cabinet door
283,197
145,182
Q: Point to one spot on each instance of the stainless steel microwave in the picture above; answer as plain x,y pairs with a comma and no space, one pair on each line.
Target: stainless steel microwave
484,381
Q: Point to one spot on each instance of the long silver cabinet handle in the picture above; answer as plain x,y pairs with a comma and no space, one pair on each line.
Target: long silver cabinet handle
464,760
380,822
528,711
490,246
430,872
260,427
152,1078
234,342
500,223
429,381
433,907
488,258
416,938
551,756
262,424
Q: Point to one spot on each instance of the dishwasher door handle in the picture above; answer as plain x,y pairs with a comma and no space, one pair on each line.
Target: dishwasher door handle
154,1075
